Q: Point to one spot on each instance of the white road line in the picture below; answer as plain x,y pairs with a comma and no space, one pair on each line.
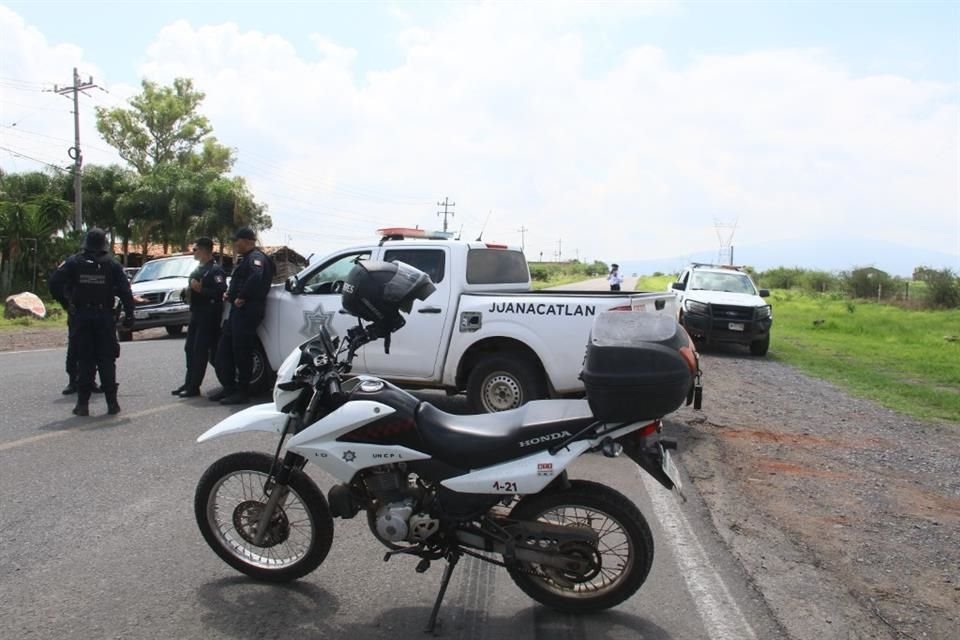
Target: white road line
54,434
721,616
14,353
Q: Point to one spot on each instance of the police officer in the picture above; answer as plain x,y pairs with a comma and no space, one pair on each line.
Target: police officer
73,358
87,284
247,295
207,286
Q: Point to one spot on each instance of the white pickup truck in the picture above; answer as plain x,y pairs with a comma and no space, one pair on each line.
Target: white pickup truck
483,331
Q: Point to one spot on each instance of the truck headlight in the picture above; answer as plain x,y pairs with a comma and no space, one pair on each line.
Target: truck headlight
764,312
693,306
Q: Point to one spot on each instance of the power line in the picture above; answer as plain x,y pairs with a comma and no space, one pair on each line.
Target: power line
447,205
74,151
16,153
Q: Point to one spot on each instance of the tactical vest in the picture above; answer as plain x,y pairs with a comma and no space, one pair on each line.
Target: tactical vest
94,284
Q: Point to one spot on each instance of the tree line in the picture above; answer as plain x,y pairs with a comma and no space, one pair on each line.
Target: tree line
176,185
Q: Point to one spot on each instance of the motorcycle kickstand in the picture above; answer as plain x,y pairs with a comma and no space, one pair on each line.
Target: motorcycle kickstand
452,558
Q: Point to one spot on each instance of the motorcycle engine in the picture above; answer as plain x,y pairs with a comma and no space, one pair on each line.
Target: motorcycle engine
392,520
398,519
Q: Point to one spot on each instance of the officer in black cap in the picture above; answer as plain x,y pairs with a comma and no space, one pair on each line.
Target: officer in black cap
87,284
207,286
247,295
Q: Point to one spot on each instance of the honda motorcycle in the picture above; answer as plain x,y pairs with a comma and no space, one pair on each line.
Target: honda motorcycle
439,486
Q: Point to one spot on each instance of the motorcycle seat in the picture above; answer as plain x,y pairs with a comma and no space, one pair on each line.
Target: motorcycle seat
479,441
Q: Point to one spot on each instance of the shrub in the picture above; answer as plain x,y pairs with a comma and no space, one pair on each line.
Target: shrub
943,286
866,282
781,278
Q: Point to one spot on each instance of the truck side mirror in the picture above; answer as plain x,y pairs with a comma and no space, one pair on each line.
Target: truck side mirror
678,286
764,293
292,284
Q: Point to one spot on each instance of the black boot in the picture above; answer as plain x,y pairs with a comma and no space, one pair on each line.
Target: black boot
83,401
70,389
111,396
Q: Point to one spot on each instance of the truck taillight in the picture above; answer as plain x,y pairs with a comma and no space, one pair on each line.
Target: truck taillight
495,246
650,429
623,307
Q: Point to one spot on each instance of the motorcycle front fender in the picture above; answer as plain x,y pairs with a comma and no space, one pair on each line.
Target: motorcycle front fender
260,417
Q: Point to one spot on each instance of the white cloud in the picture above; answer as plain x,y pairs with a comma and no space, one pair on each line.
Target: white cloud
494,106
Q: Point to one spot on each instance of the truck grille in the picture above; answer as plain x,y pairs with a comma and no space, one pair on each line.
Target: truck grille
151,298
732,314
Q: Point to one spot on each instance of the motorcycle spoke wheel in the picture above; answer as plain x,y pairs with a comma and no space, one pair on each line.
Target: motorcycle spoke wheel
229,501
616,566
234,512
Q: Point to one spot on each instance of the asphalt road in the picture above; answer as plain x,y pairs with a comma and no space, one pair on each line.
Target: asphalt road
99,540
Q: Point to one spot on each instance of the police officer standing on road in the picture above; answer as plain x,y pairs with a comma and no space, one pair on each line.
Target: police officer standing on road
207,286
615,278
247,295
87,284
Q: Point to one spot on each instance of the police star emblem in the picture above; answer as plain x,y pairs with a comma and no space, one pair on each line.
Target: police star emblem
314,320
349,456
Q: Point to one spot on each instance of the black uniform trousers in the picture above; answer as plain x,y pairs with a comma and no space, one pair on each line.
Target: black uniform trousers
237,343
96,335
73,352
203,336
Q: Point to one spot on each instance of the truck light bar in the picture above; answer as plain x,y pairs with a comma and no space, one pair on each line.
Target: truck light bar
401,233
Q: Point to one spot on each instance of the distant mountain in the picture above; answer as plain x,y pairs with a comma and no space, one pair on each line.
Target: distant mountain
834,254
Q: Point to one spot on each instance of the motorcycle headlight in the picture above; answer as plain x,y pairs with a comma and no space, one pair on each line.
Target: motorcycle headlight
764,312
693,306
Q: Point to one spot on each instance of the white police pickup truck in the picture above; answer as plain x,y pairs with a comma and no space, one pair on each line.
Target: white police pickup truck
720,303
483,331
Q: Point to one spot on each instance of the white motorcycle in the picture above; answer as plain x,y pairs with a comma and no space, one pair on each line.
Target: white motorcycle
439,486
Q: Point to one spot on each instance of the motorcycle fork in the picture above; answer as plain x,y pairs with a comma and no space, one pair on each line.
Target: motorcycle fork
276,489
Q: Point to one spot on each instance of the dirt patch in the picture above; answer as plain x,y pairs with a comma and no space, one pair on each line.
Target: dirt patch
31,338
846,514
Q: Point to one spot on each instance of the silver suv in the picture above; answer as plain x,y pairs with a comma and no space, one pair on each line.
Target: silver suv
159,290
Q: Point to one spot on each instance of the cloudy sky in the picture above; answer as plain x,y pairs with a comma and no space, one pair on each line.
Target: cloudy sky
622,131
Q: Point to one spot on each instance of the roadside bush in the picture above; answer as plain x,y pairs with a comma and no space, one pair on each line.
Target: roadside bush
867,282
781,278
539,273
943,286
819,281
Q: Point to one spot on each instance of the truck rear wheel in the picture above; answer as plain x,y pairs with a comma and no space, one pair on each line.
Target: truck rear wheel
262,379
500,383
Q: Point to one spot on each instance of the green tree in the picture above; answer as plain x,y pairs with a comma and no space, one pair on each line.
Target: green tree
31,213
161,126
943,286
183,169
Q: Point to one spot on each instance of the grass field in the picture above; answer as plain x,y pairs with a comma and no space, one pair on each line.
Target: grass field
654,283
897,357
56,321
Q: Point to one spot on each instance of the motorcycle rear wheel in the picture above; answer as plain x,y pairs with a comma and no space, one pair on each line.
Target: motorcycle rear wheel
228,501
622,558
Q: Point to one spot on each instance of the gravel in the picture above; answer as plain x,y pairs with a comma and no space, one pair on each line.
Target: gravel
845,514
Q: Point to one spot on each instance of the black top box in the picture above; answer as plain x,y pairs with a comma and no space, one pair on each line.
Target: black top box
639,366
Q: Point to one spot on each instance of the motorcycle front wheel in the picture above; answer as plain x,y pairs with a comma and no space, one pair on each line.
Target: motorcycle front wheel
229,500
619,562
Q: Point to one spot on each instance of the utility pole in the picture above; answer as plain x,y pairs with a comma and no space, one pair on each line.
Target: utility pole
523,235
447,205
559,250
74,151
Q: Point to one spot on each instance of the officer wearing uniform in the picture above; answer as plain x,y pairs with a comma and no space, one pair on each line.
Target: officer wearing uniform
87,284
207,286
247,295
615,278
73,358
